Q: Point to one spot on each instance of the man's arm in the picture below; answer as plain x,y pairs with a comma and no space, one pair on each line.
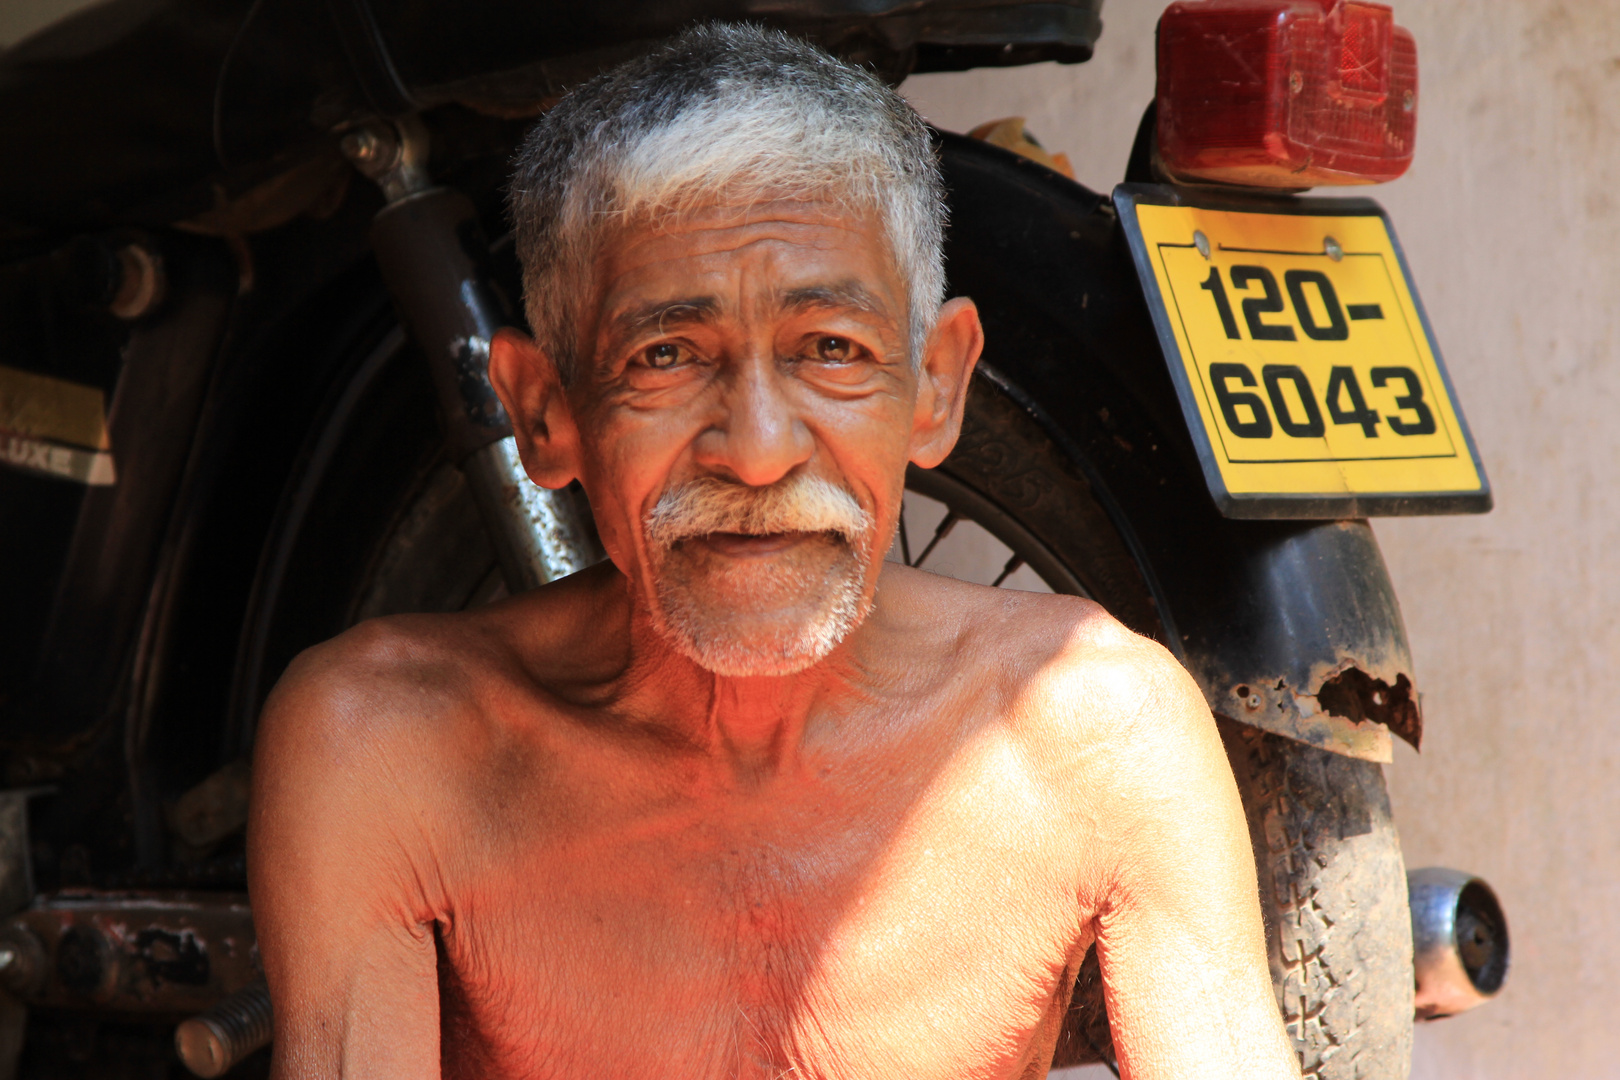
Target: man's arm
1179,933
333,848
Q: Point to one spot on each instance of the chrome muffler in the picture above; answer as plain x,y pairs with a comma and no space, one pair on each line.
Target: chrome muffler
1459,941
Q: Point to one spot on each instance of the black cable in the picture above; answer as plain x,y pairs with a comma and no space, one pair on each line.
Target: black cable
219,81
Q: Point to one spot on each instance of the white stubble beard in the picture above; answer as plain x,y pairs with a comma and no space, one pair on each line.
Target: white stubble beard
704,612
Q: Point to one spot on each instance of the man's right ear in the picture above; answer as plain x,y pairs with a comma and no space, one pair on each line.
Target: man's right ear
527,382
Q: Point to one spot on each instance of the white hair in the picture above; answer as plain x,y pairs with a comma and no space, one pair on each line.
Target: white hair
799,502
723,114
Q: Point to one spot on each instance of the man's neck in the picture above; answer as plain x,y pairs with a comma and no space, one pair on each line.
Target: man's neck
752,726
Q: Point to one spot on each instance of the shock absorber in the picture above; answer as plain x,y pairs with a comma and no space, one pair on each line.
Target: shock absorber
433,258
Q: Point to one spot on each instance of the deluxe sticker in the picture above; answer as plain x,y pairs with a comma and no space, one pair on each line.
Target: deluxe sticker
54,427
1306,354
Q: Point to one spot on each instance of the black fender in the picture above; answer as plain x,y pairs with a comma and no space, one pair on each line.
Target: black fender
1288,626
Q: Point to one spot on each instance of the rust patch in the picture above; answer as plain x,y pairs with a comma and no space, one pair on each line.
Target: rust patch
1357,696
151,953
1351,713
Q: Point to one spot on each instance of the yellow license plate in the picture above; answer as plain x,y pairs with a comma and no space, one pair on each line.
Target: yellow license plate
1305,366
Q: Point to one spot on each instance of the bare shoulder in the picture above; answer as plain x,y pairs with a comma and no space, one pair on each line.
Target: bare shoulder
1098,706
344,736
1056,649
422,680
1073,679
405,721
383,680
1114,727
1091,670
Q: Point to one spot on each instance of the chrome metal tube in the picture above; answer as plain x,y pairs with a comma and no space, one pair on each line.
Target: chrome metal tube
539,535
434,260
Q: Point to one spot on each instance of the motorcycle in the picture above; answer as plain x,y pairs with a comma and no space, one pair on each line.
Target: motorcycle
248,288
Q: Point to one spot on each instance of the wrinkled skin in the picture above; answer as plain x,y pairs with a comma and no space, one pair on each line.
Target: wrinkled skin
534,840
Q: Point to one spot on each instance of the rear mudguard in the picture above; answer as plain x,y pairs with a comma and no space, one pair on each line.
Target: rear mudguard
1288,626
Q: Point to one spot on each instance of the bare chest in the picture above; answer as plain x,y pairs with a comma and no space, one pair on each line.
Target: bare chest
930,939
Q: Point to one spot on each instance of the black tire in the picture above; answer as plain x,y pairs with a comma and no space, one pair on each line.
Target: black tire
1333,892
1338,850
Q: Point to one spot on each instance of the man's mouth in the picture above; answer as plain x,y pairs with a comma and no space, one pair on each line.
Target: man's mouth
754,545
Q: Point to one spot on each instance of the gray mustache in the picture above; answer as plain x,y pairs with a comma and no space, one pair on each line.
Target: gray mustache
796,503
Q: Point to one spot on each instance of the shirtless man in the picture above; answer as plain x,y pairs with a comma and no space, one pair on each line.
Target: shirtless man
746,801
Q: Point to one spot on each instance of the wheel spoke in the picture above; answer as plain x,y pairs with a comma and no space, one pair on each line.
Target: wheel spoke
1007,571
940,533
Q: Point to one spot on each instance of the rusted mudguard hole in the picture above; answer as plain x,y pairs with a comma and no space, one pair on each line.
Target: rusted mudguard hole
1357,696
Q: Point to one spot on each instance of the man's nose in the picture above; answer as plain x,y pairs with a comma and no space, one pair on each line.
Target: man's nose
759,437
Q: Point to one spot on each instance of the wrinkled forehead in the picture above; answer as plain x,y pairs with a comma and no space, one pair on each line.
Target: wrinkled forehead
787,252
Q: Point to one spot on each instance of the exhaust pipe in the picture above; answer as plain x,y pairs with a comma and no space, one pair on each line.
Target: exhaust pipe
1459,941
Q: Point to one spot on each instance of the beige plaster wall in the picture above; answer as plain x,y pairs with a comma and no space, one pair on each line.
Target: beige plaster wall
1511,221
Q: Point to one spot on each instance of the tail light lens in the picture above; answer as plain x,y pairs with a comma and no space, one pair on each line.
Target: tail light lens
1285,93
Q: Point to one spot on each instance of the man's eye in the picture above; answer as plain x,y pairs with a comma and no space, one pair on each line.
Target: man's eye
664,355
835,350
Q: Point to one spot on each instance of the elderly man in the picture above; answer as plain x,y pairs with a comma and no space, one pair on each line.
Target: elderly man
747,800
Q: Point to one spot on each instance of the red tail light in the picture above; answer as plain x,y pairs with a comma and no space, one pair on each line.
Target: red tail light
1285,93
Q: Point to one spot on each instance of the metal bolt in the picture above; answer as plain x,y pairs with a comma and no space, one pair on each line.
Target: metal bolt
392,155
210,1044
23,963
364,146
1201,242
1334,251
360,146
1253,702
142,284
